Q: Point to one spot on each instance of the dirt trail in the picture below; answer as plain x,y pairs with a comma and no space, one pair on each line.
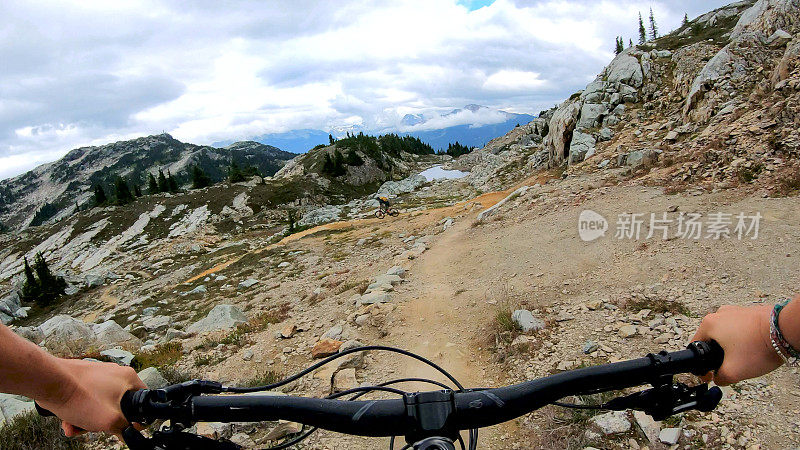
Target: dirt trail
442,321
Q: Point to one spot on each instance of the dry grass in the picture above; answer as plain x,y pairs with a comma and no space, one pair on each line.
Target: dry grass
263,378
657,305
30,431
164,355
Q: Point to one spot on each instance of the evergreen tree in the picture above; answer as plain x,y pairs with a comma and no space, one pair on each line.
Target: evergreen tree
152,185
137,190
620,47
653,26
327,165
163,185
353,159
199,178
685,20
30,287
44,287
642,31
99,195
630,42
172,185
331,140
235,174
122,191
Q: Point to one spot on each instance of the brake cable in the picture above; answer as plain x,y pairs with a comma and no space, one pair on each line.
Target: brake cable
473,433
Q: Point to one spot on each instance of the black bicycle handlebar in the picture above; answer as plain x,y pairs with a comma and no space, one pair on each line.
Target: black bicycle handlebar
444,413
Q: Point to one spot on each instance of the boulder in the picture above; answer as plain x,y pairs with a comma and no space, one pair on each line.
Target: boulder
110,334
11,305
396,271
119,356
156,322
152,378
14,405
375,297
344,380
91,280
355,359
670,436
288,330
325,348
318,216
525,320
335,332
33,334
247,283
641,158
648,426
592,115
66,334
406,185
561,126
614,422
222,317
626,69
581,147
779,38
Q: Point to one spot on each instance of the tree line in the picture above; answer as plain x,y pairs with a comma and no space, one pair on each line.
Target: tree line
645,34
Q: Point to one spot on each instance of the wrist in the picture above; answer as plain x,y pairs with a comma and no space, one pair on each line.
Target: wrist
60,383
789,324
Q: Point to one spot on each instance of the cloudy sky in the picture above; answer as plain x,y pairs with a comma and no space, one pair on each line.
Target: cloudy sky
88,72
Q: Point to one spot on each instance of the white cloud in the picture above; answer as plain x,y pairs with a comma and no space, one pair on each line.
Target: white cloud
513,81
88,72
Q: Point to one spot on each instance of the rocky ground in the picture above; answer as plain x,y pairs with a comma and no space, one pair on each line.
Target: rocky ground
440,278
488,275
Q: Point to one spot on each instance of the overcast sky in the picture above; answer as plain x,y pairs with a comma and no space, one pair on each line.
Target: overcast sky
88,72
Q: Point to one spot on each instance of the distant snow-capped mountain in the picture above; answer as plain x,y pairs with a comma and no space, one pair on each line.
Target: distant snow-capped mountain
473,125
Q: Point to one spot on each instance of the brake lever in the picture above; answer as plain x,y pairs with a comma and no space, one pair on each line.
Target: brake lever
667,400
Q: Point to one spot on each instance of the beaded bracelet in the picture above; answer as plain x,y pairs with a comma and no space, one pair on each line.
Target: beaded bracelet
779,343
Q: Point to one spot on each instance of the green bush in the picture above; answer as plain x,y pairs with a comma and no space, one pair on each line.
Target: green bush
30,431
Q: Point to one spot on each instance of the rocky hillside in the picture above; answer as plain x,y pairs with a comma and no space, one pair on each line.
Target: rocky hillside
68,183
712,104
486,275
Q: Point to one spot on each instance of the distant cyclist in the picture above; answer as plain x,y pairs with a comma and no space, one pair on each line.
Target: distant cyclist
384,202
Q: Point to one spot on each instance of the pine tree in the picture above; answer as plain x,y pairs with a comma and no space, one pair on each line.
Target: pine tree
172,185
630,42
163,186
685,20
152,185
99,195
137,190
44,287
235,174
199,178
30,287
122,191
620,46
353,159
653,26
331,140
642,31
291,221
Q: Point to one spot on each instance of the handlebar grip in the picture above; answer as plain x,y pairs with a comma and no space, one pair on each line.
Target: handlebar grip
710,355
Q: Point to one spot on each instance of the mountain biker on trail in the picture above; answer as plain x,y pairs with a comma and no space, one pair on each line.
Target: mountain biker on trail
383,202
86,395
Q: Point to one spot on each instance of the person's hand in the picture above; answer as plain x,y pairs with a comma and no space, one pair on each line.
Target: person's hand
90,401
743,332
